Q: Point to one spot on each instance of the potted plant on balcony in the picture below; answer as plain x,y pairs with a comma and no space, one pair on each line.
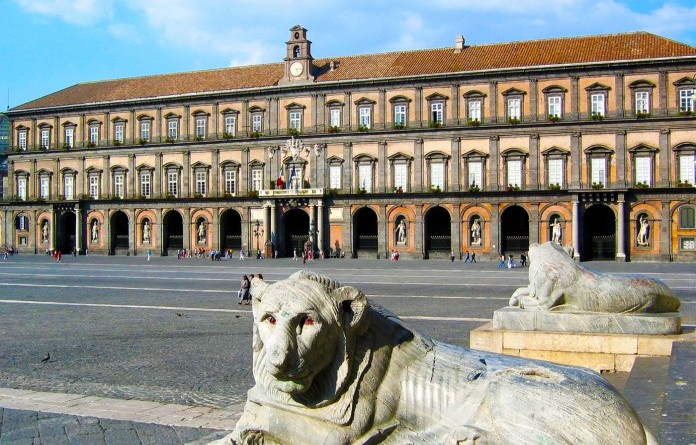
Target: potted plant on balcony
554,118
474,122
334,129
597,185
513,120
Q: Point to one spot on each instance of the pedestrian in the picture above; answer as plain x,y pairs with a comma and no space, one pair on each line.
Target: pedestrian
501,265
58,255
511,262
294,254
467,258
241,254
452,256
149,253
473,257
244,290
5,257
523,260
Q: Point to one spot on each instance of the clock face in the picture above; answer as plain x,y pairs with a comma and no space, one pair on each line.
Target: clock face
296,69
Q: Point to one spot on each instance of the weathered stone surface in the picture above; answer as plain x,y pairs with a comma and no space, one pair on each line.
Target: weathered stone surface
331,368
558,283
516,319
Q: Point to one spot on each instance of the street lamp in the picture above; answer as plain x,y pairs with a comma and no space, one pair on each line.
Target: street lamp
257,231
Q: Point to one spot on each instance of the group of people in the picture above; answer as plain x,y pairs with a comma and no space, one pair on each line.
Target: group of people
470,257
244,293
395,255
509,261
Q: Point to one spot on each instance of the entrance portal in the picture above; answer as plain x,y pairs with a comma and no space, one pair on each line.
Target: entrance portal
119,233
296,230
599,234
65,241
230,231
514,230
438,232
173,233
365,233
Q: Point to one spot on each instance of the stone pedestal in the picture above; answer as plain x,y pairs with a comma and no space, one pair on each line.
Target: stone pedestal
516,319
597,351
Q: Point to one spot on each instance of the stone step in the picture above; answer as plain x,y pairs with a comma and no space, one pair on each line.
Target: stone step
678,420
645,389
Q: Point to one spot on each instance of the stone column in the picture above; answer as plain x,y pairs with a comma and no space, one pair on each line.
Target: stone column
493,102
187,228
53,229
576,161
382,167
665,233
186,180
576,228
534,224
620,159
274,228
159,230
455,180
347,183
347,231
534,183
214,172
418,166
495,229
78,230
418,245
494,164
418,105
574,98
621,230
320,226
313,223
533,100
619,95
158,192
215,235
665,158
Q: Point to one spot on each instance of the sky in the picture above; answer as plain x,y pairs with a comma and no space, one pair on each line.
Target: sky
49,45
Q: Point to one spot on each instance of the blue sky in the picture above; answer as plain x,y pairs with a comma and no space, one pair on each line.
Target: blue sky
48,45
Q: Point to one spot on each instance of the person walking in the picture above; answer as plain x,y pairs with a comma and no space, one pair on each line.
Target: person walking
244,290
294,254
241,254
473,257
452,256
468,257
149,254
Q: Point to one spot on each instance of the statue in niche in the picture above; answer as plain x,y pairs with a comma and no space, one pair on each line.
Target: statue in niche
95,231
44,231
201,232
146,231
332,367
401,232
643,237
476,232
557,283
556,231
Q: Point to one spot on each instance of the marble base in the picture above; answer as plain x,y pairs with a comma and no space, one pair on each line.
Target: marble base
516,319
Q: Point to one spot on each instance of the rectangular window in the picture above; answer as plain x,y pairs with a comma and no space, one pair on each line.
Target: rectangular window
44,187
201,182
642,104
172,129
514,108
476,174
335,117
200,127
230,182
687,218
119,185
118,133
256,122
437,112
687,169
687,244
364,120
45,138
145,131
474,110
400,115
597,104
69,132
145,184
556,172
401,176
686,100
173,183
22,188
555,106
365,177
69,187
437,175
231,125
295,120
22,143
94,186
643,170
94,135
335,177
514,173
256,179
599,171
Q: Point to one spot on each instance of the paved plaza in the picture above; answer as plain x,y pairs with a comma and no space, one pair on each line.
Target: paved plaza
160,352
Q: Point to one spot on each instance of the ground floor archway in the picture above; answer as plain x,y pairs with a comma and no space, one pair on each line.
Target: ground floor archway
230,230
119,233
173,233
514,230
599,234
438,232
365,232
66,231
295,231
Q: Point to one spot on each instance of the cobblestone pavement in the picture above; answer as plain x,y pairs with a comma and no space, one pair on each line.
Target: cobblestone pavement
170,330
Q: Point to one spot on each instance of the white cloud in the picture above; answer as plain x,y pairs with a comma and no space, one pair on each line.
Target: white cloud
78,12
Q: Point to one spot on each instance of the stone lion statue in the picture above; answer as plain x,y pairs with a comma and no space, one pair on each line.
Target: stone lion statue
332,368
558,283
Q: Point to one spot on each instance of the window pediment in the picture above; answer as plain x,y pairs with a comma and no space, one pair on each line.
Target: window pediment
598,150
437,156
295,106
256,109
21,173
93,122
597,87
22,128
334,103
686,146
171,166
474,154
364,159
364,101
396,157
145,117
44,172
334,160
643,148
229,165
144,167
119,120
513,153
93,171
172,116
555,152
642,83
513,92
554,89
256,163
229,111
45,126
200,113
200,165
67,124
68,171
436,96
685,81
118,168
399,99
474,94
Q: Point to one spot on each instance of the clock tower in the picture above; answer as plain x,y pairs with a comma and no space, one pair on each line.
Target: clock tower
298,61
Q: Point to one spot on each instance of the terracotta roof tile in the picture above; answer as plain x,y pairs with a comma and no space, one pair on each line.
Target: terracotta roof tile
559,51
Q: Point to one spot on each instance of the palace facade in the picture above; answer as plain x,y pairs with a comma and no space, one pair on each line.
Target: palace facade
485,148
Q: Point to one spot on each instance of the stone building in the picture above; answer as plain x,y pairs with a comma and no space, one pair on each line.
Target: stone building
481,148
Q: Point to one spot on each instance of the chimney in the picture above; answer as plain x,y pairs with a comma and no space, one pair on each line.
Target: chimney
459,44
333,65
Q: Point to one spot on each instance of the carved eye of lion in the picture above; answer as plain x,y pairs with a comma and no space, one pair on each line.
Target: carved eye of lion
270,319
308,321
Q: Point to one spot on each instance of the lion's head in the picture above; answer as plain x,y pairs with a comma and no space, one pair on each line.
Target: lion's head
304,333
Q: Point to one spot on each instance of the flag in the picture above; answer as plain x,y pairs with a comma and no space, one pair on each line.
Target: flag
279,181
292,177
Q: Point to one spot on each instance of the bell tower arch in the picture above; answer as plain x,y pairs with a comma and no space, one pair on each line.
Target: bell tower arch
298,58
